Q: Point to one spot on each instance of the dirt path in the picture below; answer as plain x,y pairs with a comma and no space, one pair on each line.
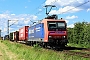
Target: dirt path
1,56
5,53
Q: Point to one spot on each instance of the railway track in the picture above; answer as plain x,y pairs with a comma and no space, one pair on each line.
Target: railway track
81,54
74,51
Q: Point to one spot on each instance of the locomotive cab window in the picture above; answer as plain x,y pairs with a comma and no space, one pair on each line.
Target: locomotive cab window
61,25
52,25
56,25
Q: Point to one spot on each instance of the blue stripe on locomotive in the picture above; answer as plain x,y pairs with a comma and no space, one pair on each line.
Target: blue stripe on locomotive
36,32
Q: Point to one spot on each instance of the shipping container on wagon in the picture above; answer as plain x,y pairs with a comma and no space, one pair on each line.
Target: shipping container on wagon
13,36
36,32
23,33
16,35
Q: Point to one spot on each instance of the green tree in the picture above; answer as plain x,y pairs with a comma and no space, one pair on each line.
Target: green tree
77,36
80,34
70,35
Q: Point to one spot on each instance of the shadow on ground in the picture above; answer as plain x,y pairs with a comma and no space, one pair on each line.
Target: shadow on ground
74,48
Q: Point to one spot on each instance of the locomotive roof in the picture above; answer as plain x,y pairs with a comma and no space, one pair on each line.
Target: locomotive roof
45,20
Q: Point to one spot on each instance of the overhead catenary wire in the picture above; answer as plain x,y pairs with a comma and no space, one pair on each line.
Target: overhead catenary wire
67,10
76,7
29,20
34,9
43,8
54,2
13,22
39,6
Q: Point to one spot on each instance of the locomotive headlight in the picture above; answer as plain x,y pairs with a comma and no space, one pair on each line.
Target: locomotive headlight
50,36
63,36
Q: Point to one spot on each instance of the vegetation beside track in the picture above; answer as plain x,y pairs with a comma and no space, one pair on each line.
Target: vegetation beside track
5,53
80,34
25,52
79,48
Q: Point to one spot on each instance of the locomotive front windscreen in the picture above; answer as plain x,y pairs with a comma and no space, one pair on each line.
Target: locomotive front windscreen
56,25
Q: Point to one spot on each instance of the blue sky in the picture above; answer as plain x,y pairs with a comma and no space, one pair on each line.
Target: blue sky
26,10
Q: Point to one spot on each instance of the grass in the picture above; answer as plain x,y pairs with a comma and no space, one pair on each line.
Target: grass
74,45
25,52
78,46
4,54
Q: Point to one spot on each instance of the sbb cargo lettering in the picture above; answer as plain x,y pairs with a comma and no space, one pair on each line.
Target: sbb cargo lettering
38,29
31,31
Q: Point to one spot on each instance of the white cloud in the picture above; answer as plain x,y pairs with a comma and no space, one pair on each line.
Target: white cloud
59,2
13,22
70,26
66,9
5,29
11,29
67,21
88,10
71,17
4,16
66,5
0,27
26,21
23,19
65,2
13,14
33,17
48,2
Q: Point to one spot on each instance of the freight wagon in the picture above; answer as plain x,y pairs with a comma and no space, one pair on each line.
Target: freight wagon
23,33
14,36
